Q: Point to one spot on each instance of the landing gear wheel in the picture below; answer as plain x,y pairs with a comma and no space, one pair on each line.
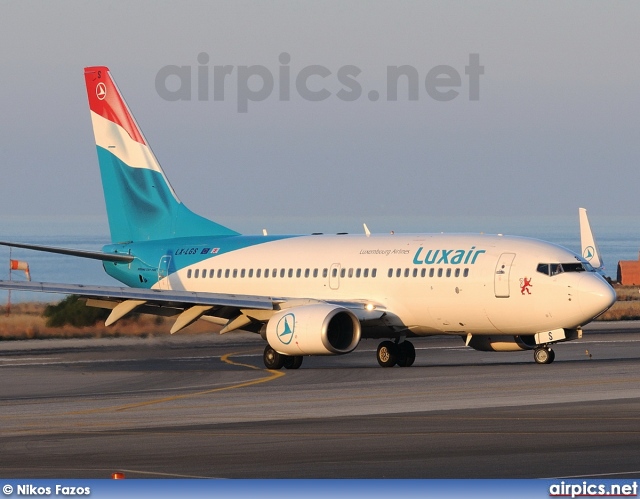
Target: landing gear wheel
543,355
406,354
272,359
387,354
293,361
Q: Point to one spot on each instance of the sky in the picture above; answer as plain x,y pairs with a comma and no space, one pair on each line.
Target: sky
550,123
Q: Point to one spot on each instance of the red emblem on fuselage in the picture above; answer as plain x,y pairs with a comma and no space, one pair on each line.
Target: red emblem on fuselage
525,284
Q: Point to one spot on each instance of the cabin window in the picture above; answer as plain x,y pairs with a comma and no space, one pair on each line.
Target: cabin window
212,274
196,274
398,272
226,273
448,272
358,272
457,272
334,272
415,272
325,272
350,273
439,272
365,273
390,273
466,273
298,272
204,273
258,273
250,272
242,273
189,274
219,273
235,273
290,273
406,272
374,272
342,272
431,272
306,272
282,272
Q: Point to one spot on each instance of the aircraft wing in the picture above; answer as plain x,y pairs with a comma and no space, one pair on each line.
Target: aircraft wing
188,305
152,295
232,311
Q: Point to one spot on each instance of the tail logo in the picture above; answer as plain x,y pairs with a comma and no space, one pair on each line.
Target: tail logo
101,91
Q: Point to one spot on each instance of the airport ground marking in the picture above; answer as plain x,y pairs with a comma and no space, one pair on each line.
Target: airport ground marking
273,375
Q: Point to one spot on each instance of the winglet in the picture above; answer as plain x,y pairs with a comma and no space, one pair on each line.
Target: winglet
590,251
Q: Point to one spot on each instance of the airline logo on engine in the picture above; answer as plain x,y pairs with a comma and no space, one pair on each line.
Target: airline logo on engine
284,329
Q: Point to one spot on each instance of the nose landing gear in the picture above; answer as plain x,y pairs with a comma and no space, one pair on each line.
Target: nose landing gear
544,355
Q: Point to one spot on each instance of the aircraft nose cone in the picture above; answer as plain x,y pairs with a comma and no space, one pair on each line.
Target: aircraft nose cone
595,294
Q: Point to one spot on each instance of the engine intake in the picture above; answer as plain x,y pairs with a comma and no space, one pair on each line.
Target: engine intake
317,329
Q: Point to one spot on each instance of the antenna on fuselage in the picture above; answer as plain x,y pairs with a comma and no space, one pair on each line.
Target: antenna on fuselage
367,232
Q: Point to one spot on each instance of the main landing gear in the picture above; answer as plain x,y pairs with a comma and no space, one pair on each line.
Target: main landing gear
543,355
390,354
275,360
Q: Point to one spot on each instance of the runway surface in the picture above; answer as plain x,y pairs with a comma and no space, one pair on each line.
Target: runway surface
204,406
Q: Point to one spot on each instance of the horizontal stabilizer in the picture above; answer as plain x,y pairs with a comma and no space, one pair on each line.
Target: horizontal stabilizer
95,255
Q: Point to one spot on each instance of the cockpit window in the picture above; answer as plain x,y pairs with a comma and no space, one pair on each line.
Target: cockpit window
555,268
573,267
559,268
543,268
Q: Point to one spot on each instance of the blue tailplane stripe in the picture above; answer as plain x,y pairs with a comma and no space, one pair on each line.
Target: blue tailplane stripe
142,207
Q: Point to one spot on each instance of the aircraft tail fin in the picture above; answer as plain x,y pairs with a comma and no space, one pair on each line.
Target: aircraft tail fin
590,251
141,204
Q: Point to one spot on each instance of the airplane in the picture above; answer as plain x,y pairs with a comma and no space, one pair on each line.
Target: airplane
317,294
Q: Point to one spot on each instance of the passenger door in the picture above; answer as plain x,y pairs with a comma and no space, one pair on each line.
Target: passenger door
503,271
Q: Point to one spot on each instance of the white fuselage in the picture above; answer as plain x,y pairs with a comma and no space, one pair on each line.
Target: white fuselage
435,283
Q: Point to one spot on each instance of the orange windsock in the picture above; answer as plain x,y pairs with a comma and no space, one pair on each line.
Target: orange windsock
21,265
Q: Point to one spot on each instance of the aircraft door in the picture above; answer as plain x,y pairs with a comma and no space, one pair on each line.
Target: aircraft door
163,271
503,270
334,276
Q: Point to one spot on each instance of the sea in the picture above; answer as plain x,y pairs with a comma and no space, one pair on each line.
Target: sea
618,238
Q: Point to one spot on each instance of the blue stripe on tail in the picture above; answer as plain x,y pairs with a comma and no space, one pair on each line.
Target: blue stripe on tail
142,207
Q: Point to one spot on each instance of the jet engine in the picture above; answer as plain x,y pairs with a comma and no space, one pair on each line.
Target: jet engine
316,329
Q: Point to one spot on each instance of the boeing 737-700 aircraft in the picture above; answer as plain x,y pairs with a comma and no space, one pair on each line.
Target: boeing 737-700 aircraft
318,294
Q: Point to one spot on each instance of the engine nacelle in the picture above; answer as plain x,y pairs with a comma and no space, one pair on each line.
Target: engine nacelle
316,329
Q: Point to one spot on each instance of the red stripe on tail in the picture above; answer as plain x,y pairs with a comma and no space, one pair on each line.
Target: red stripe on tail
105,100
